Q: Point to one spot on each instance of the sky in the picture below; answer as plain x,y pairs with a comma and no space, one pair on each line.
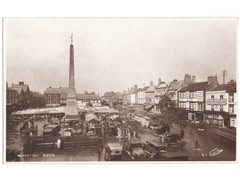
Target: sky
113,54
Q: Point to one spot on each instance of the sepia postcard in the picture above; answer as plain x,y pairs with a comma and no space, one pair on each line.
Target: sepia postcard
120,89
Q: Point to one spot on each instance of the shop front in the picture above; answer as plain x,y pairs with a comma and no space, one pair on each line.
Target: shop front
220,119
193,116
232,120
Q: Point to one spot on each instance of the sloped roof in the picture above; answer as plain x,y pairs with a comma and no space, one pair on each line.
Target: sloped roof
145,88
63,90
150,89
87,97
60,90
11,89
196,86
24,87
18,89
163,85
52,91
226,87
176,85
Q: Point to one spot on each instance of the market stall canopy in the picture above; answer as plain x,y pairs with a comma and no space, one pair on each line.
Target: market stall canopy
13,113
114,117
141,120
90,117
56,111
41,112
82,110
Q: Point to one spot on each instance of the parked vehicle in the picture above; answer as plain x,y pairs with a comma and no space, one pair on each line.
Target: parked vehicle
174,140
28,127
154,126
154,148
200,127
160,130
51,130
113,152
134,151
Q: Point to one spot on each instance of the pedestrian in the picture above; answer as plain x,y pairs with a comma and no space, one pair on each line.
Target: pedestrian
58,143
196,144
181,133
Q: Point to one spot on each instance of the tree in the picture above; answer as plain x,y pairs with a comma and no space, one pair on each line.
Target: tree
169,110
36,100
166,104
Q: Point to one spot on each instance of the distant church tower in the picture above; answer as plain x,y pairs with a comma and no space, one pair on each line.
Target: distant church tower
71,111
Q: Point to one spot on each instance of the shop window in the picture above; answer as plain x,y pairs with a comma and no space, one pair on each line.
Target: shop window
200,106
221,97
231,97
192,106
192,94
221,107
231,108
212,107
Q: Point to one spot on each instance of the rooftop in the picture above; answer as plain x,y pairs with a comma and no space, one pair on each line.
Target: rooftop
150,89
231,87
24,87
88,97
197,87
176,85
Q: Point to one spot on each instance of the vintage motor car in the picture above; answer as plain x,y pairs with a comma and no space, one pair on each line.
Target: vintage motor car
134,151
113,152
153,149
51,130
174,140
154,125
28,127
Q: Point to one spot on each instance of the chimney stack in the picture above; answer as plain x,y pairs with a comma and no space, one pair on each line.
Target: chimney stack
213,80
159,81
135,87
193,79
151,83
21,83
187,79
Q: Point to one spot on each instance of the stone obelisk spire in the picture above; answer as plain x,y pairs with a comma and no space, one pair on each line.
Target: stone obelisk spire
71,110
71,66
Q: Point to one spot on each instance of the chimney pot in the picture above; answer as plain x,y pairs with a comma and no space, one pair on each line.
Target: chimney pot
21,83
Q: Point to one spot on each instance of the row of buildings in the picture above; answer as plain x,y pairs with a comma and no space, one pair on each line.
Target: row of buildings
205,101
58,97
17,96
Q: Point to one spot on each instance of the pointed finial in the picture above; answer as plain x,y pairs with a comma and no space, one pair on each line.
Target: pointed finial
71,38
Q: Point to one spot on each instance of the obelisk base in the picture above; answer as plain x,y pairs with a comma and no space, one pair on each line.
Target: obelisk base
71,111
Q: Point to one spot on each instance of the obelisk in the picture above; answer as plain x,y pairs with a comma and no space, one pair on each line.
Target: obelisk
71,110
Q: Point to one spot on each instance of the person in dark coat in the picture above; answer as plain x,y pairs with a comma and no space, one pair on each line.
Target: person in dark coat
181,133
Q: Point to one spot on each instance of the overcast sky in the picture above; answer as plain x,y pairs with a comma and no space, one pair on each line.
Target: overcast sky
112,54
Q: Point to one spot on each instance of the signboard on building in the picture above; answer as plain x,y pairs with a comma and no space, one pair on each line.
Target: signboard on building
216,101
